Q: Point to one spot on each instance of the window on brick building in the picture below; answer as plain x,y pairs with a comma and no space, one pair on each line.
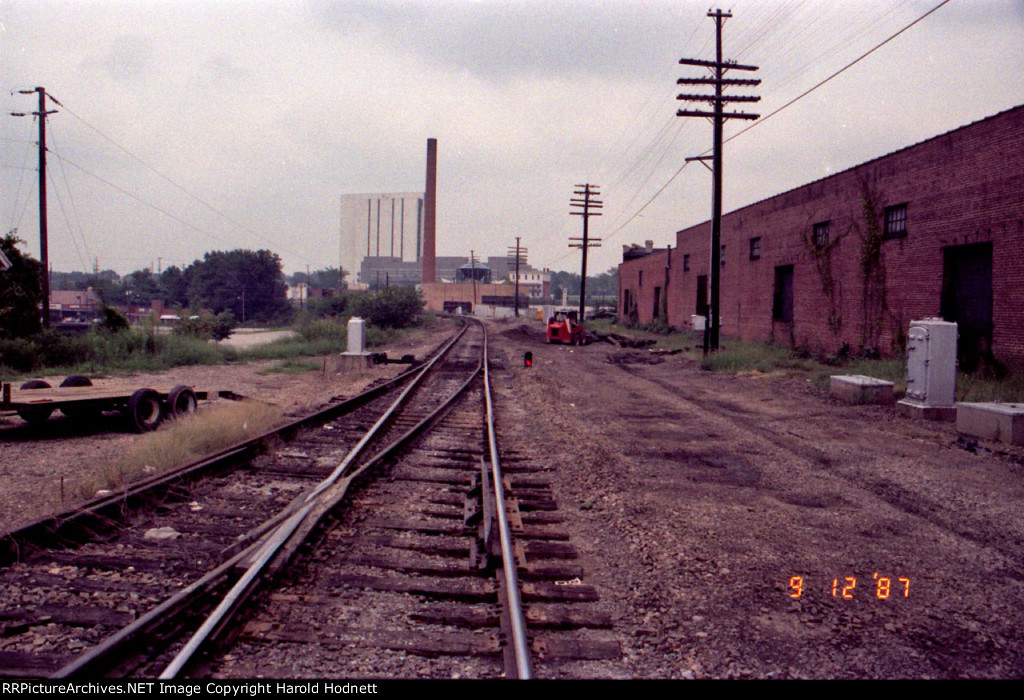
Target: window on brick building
640,281
686,263
755,248
721,256
896,221
821,234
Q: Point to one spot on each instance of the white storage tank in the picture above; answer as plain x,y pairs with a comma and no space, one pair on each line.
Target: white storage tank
931,363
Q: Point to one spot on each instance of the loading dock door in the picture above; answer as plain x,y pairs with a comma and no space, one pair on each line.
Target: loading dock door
967,300
782,298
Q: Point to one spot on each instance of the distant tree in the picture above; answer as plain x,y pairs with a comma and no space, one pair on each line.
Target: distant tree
327,278
174,285
247,283
19,291
113,321
142,287
605,284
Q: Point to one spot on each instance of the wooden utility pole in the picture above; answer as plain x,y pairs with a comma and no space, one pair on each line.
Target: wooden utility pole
589,201
520,253
718,116
44,257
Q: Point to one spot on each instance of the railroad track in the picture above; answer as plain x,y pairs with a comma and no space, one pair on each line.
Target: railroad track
322,515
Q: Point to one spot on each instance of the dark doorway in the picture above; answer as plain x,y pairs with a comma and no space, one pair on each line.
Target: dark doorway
967,300
782,299
657,303
702,296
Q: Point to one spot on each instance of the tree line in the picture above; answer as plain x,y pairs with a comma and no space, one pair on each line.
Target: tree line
250,285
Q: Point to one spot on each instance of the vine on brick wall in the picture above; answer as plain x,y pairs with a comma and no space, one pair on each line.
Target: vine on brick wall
830,286
872,273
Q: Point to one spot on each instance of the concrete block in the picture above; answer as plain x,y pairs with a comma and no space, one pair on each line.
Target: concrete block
856,388
922,411
349,361
1001,422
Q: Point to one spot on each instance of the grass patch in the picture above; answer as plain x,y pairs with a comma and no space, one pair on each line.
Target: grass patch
975,387
139,350
293,366
183,440
747,356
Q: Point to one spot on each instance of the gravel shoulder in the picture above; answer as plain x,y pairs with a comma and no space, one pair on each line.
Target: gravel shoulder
38,463
700,497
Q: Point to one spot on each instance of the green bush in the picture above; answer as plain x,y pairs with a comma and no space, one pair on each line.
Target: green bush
206,327
18,354
336,305
394,307
57,348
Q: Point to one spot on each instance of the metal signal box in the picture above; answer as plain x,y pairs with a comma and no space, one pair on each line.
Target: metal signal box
931,363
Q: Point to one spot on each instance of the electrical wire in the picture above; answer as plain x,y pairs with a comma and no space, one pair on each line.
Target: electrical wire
140,200
74,206
15,218
786,105
180,188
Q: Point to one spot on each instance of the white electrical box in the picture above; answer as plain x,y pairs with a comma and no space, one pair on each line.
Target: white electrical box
931,362
697,322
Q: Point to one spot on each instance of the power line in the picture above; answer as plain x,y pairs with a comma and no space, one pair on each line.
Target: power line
74,208
140,200
838,72
788,104
180,188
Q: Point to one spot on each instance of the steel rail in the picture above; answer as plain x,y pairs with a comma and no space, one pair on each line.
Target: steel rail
106,508
92,660
517,621
286,532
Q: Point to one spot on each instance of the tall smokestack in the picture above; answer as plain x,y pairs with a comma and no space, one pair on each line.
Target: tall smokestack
430,215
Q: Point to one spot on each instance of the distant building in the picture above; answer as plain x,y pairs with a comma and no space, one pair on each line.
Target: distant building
67,305
536,284
470,272
933,230
381,224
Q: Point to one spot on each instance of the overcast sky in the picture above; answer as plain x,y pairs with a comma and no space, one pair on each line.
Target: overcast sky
197,125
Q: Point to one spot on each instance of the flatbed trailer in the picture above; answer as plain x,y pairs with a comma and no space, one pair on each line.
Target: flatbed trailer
77,398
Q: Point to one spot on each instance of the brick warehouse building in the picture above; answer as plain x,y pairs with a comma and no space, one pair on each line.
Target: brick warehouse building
934,229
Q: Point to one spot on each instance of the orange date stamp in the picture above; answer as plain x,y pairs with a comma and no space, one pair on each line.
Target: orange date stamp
881,587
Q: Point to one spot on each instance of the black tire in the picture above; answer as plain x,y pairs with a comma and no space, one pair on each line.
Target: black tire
76,380
145,410
78,411
181,401
35,415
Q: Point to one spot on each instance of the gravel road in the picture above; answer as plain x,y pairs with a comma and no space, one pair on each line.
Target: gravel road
752,527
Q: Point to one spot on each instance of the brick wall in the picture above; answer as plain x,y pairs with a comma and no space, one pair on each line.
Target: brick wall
963,187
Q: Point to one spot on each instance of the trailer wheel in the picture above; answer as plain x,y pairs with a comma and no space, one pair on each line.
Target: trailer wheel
181,401
145,410
35,415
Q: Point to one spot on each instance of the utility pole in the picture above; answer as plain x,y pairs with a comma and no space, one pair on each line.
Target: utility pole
520,254
589,201
472,262
44,256
718,116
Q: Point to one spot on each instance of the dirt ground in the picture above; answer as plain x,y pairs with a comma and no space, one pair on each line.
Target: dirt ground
736,526
35,460
752,527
